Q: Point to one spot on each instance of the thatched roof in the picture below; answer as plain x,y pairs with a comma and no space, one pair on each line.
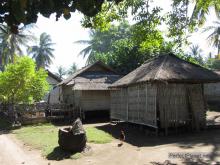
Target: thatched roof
53,76
97,76
168,68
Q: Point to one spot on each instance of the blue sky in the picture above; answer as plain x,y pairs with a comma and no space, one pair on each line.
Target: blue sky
65,32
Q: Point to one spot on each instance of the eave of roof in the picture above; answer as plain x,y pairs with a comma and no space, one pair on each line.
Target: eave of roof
168,68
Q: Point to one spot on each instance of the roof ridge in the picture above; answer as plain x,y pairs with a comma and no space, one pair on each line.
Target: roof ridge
161,66
80,71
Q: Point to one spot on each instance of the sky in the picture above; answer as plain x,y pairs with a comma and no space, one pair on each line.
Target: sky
65,32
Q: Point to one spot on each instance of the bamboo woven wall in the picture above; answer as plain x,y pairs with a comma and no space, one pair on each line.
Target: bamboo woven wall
95,100
119,104
87,100
135,104
172,105
177,105
197,105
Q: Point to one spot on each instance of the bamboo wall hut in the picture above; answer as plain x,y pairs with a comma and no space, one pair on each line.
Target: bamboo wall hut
164,92
87,89
212,93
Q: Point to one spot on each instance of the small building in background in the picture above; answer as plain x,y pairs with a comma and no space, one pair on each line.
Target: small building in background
165,92
212,94
87,89
53,97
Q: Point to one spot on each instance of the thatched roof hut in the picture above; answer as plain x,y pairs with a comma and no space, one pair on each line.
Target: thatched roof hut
88,87
164,92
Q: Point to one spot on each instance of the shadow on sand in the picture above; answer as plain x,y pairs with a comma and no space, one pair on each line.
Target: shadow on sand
59,154
187,140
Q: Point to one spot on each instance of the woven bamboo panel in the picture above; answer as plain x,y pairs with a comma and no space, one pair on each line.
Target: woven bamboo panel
172,105
133,100
197,106
95,100
115,104
150,105
135,104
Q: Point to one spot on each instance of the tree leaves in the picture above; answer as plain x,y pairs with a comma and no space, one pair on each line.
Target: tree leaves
20,83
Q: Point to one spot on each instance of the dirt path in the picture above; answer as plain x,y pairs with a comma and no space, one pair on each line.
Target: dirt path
12,153
138,149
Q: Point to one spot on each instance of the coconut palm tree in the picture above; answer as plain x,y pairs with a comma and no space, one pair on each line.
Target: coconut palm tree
91,44
43,52
11,44
214,37
61,71
196,53
202,9
101,41
195,50
72,69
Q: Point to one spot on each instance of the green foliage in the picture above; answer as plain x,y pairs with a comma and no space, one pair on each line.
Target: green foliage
20,83
26,11
124,56
178,22
215,64
195,55
100,13
125,47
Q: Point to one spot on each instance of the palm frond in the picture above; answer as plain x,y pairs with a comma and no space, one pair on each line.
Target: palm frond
83,42
85,52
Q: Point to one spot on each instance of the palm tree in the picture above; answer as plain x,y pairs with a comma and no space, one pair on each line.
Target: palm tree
91,44
43,52
196,53
11,44
214,37
72,69
202,9
101,42
61,71
195,50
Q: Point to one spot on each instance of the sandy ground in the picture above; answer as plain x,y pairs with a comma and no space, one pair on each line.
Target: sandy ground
139,149
14,152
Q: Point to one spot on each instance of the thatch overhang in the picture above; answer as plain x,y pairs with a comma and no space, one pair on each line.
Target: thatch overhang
93,81
84,79
53,76
168,69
